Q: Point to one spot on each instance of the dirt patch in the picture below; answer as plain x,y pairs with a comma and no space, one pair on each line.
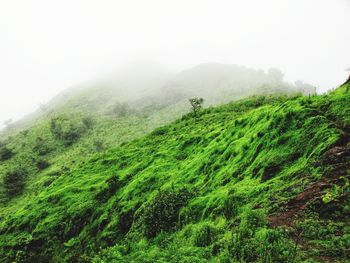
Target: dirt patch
338,158
336,155
299,203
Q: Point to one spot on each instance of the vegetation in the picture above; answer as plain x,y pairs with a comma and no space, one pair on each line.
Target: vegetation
263,179
196,104
68,130
162,213
5,153
14,181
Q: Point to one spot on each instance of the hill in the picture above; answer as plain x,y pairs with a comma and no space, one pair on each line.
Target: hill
148,87
263,179
129,104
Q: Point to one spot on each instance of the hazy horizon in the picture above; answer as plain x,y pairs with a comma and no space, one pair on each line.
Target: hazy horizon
47,47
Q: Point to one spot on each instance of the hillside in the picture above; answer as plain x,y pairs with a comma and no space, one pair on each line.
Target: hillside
263,179
149,88
94,117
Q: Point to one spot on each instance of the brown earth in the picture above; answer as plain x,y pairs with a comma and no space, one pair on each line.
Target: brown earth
338,158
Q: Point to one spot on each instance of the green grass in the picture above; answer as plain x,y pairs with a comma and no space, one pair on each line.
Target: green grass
197,190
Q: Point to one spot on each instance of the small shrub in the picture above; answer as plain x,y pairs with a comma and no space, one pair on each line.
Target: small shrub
88,122
181,155
121,109
251,220
48,181
230,207
160,131
68,128
41,146
205,236
252,241
197,104
98,145
5,153
42,164
189,142
161,213
14,182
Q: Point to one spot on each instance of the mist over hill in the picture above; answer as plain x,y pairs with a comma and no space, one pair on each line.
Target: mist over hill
145,85
217,83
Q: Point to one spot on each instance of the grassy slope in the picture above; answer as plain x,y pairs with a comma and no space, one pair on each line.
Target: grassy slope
104,103
143,111
109,130
220,176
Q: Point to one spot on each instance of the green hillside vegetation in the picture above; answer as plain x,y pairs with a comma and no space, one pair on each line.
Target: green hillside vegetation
263,179
94,117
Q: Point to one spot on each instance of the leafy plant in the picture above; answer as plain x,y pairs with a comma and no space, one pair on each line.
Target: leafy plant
196,104
42,164
14,181
69,128
42,146
161,213
5,153
98,145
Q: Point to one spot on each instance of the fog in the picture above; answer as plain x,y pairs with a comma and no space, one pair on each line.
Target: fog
48,46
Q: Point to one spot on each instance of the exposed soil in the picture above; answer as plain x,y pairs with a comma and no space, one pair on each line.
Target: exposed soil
338,158
299,203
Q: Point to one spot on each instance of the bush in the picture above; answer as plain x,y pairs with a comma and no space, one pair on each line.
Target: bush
14,182
98,145
272,245
121,109
5,153
88,122
42,164
160,131
252,241
161,213
205,236
196,104
69,128
41,146
230,206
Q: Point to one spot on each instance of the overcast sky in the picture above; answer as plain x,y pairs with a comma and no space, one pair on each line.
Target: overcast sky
47,46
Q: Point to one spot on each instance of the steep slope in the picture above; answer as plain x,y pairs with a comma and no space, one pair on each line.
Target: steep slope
264,179
90,118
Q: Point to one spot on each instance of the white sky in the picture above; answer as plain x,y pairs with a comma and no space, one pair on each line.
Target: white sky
47,46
